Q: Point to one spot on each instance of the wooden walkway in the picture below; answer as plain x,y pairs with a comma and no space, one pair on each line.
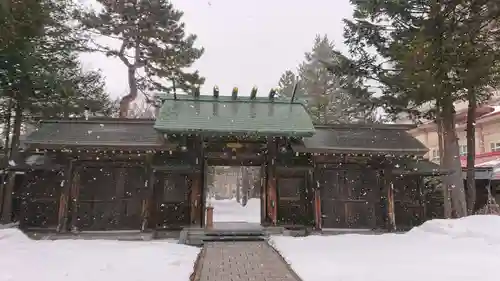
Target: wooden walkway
243,261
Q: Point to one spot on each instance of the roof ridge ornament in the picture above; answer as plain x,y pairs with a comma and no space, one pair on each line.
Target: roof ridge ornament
234,93
272,94
295,87
196,92
216,92
253,93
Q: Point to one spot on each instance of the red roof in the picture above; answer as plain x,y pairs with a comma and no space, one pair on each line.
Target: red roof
482,158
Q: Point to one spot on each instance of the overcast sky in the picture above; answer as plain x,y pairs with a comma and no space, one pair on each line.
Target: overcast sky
247,42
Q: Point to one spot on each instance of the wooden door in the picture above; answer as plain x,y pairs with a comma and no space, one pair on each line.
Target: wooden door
40,199
171,196
291,192
349,198
409,209
110,198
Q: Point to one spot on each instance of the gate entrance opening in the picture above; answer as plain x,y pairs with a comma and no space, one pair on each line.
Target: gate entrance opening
234,192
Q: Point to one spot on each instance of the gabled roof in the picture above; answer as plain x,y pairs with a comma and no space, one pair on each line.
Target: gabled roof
234,116
362,138
104,132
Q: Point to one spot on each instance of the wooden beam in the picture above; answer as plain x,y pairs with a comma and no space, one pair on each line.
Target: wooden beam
64,200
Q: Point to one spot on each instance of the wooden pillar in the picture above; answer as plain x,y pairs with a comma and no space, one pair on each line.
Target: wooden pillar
263,194
421,194
75,196
317,201
115,212
26,198
389,192
149,193
64,199
154,198
197,184
210,217
272,208
195,198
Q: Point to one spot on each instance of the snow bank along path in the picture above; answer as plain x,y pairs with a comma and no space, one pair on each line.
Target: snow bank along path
23,259
466,249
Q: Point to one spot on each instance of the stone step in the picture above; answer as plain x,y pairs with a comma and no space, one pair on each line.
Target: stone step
233,238
233,233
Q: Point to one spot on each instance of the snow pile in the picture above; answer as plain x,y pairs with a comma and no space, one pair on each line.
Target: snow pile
229,210
464,249
12,235
23,259
486,227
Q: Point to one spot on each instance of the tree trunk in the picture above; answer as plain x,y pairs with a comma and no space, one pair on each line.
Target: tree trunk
14,152
245,187
7,128
444,179
126,100
452,159
471,151
238,185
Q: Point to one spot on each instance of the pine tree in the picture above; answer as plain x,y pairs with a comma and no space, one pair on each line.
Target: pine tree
36,42
328,102
421,45
75,92
154,45
286,85
40,72
478,69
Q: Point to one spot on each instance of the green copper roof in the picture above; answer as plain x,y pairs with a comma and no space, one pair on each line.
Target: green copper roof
234,116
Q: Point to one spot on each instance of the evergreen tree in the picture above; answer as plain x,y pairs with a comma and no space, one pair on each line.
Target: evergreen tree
40,71
328,101
420,59
153,41
477,69
286,85
416,53
36,43
75,92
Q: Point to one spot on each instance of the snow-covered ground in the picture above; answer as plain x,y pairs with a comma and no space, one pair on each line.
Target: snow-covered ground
229,210
466,249
23,259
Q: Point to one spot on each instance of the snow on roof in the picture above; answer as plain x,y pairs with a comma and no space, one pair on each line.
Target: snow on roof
496,110
495,164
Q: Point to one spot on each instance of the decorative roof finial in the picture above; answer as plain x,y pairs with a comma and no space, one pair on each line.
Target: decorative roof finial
253,94
235,93
272,94
196,92
216,91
